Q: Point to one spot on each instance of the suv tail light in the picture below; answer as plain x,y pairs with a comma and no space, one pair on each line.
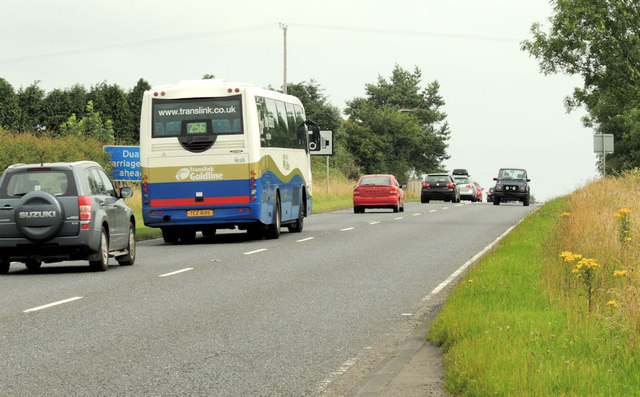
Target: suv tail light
451,184
84,206
426,184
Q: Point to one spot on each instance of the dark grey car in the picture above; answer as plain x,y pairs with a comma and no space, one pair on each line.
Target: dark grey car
512,184
64,211
440,186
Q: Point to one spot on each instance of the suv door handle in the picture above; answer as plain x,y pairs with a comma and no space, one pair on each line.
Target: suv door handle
6,207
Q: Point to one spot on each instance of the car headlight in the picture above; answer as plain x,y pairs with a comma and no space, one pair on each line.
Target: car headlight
522,188
498,188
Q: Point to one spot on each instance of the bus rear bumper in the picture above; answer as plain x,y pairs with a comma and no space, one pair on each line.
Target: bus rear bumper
226,217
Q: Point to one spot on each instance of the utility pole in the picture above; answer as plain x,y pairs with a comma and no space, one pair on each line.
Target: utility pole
284,30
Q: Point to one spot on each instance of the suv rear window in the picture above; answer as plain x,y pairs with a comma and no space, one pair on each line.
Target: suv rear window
56,182
438,178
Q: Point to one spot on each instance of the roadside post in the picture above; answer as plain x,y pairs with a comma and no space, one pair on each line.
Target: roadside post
603,144
323,147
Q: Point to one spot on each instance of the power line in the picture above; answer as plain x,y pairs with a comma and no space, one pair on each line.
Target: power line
247,29
409,33
141,43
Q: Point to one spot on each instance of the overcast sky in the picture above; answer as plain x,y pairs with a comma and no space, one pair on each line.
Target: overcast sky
502,111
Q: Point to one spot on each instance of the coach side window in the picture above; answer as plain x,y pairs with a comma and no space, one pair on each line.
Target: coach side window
263,125
283,128
271,121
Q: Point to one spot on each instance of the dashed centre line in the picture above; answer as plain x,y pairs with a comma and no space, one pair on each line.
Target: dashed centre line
432,210
398,218
304,239
48,305
374,222
347,229
417,214
176,272
255,252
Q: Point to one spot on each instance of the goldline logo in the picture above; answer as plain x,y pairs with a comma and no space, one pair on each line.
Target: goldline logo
198,174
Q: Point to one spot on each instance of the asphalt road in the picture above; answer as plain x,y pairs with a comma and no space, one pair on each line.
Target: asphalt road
232,316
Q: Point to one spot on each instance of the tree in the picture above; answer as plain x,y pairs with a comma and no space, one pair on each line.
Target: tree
208,76
134,97
30,102
90,126
398,127
111,102
599,41
9,110
56,109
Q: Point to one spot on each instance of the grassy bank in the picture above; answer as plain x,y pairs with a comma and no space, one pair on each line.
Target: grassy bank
553,309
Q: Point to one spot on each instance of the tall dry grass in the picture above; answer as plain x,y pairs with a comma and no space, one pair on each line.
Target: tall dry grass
601,221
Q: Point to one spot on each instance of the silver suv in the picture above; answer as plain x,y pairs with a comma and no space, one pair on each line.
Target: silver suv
64,211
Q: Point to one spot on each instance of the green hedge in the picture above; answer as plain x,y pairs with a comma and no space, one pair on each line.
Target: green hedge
28,148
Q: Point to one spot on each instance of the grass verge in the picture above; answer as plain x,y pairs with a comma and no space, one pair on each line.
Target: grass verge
503,333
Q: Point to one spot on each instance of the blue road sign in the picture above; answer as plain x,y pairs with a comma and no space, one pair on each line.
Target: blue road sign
125,162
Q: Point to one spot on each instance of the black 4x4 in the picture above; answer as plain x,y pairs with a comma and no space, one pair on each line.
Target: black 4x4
512,184
64,211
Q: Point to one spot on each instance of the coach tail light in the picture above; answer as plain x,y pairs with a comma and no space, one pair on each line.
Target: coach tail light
254,192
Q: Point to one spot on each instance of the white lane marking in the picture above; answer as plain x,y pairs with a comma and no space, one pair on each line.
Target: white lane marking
304,239
48,305
398,218
464,267
407,314
374,222
347,229
255,252
417,214
176,272
343,368
444,208
459,205
432,210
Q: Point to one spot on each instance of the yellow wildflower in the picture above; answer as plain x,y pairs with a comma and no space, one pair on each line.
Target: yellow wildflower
620,273
612,303
589,263
569,256
564,214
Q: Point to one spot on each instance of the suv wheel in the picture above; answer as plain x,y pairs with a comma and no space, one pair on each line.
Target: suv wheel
102,263
130,257
33,263
4,265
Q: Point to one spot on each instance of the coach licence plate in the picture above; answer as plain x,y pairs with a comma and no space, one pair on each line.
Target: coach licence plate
200,213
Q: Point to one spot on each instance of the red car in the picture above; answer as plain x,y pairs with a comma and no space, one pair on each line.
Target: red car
378,191
479,191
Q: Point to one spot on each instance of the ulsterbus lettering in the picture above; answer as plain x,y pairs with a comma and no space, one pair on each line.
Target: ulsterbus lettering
198,174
